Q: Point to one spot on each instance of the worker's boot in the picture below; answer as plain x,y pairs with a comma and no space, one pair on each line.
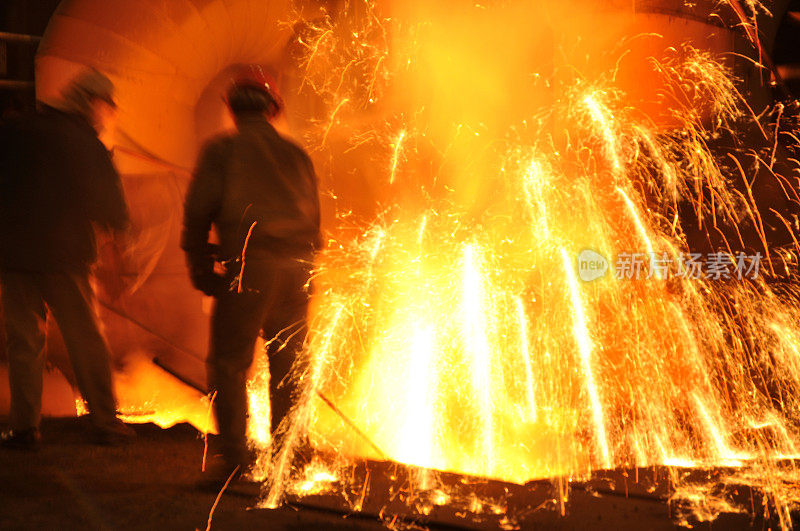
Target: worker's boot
27,440
116,433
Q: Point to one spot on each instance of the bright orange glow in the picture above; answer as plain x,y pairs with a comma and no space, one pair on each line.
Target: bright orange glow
451,328
146,393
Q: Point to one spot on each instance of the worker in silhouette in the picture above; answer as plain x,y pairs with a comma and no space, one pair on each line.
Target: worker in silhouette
57,184
259,191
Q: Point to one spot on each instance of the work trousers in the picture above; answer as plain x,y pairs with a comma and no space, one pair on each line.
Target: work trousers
26,296
278,311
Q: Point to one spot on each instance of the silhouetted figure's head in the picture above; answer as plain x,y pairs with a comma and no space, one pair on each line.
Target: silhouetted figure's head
253,92
91,95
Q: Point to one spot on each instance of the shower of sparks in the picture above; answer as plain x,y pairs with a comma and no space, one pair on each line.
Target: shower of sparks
610,137
452,327
479,349
398,145
526,357
332,119
639,227
585,347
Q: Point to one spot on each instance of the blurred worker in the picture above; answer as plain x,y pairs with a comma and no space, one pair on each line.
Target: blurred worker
57,181
259,191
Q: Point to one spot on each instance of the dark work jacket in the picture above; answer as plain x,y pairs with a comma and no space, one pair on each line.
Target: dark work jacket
56,181
255,179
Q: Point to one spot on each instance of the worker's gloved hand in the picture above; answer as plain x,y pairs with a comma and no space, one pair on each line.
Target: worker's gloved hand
201,271
109,272
211,284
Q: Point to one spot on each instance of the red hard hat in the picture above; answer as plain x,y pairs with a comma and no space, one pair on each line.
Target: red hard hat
255,77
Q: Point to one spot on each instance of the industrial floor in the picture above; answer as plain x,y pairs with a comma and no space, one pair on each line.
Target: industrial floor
150,484
71,484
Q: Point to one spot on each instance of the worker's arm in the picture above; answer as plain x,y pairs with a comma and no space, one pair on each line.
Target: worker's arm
312,175
108,210
102,187
203,204
114,208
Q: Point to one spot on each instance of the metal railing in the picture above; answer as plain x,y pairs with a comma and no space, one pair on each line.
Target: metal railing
15,84
19,37
6,37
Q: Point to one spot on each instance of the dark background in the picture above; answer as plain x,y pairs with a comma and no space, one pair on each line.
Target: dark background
26,17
